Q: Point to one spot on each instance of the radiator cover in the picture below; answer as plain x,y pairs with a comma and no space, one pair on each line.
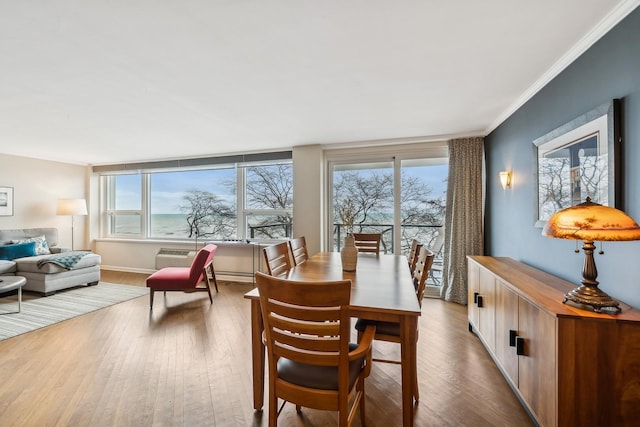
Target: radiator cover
171,257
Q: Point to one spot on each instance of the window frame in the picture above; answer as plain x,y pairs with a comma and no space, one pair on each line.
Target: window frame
377,154
108,211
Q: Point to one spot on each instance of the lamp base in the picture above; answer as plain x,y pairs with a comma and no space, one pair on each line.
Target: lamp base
593,297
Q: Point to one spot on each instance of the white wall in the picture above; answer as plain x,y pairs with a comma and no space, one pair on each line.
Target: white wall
308,178
37,185
232,261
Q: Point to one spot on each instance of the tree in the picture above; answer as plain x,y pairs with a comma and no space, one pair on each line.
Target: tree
208,215
271,188
363,201
357,197
420,208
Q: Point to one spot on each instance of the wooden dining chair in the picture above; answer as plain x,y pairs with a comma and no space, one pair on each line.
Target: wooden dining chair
367,242
299,251
277,258
185,279
390,331
413,254
311,361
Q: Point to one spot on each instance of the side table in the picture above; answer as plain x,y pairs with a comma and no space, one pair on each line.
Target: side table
11,283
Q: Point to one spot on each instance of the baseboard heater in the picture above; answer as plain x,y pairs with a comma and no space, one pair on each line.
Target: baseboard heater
171,257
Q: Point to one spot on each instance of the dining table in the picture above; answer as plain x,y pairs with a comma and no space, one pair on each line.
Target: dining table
381,289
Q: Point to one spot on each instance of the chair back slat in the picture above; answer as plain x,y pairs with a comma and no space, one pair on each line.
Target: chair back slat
367,242
421,272
314,330
277,259
413,254
299,250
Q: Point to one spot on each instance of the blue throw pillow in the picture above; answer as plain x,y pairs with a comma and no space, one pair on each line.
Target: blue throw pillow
18,250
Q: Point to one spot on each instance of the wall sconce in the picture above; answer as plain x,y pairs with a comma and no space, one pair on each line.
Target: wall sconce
505,179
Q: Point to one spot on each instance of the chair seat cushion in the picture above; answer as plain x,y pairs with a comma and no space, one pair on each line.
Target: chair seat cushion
169,278
382,328
319,377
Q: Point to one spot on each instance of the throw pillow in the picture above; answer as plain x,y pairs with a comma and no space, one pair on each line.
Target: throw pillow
18,250
41,244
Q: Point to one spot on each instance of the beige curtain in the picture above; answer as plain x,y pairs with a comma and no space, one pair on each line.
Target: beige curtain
463,215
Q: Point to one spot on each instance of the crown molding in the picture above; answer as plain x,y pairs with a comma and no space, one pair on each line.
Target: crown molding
603,27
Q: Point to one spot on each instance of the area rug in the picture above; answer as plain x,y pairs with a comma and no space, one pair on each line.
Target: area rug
38,311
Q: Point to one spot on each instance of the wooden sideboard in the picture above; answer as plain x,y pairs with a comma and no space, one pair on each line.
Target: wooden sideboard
569,366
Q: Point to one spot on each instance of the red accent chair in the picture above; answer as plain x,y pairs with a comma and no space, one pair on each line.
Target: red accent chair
185,279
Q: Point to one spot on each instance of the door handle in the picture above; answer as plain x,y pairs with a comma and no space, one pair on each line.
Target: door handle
480,301
512,337
475,297
520,346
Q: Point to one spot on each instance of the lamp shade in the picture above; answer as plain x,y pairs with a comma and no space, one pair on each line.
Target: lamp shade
505,179
71,207
592,222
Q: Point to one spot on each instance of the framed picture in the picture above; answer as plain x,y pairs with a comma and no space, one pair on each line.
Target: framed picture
578,160
6,201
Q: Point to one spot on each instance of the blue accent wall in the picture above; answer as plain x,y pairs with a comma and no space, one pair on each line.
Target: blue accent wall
609,69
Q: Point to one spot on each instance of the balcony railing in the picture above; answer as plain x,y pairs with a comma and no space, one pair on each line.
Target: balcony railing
426,233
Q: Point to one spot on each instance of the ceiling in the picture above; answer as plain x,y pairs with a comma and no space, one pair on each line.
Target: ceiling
99,82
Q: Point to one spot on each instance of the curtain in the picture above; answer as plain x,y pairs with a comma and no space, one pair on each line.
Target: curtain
463,215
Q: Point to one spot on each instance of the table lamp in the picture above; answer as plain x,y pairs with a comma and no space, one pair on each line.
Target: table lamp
591,222
72,207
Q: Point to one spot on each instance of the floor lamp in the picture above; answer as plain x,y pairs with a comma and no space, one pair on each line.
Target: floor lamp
72,207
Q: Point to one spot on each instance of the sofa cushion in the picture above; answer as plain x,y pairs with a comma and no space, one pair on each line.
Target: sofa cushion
41,244
7,267
18,250
30,264
51,234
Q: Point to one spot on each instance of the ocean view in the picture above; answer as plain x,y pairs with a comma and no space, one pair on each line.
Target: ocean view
162,225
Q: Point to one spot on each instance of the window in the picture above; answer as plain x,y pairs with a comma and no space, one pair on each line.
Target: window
222,202
269,201
190,204
124,205
363,201
422,202
402,197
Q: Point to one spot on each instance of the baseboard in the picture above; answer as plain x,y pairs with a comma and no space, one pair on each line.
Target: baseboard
126,269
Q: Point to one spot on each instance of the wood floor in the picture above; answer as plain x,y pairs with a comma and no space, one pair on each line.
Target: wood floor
189,364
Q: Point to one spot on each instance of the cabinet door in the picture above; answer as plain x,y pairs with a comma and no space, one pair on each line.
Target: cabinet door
506,303
473,288
486,308
537,366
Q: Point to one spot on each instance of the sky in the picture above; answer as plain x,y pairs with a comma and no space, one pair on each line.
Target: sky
168,188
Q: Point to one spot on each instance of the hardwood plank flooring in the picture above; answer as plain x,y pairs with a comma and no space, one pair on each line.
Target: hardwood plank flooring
188,363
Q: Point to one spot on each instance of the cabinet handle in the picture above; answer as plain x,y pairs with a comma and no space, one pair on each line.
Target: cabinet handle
480,301
520,346
475,297
512,337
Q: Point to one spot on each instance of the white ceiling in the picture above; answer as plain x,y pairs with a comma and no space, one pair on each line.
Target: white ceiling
97,82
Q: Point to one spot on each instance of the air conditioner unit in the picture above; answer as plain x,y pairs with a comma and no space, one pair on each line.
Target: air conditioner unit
170,257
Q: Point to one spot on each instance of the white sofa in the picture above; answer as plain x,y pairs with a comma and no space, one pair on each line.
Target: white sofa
45,277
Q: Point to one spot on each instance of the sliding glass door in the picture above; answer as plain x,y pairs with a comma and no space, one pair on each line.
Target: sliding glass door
402,197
